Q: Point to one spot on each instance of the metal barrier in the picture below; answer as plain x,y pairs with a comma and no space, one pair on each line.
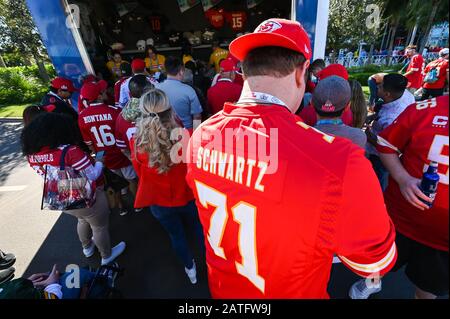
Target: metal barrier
349,62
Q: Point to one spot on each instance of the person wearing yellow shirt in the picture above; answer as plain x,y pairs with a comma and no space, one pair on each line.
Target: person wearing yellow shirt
115,64
154,62
217,55
186,51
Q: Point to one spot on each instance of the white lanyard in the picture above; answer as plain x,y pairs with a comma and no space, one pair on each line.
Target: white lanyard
261,98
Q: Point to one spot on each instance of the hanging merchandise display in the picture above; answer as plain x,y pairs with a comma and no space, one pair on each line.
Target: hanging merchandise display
187,4
208,4
253,3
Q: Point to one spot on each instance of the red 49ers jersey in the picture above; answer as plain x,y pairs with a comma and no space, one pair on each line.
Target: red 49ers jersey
97,124
420,134
274,218
237,20
124,132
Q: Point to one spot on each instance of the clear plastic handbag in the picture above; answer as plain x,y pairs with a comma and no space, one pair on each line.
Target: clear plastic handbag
66,188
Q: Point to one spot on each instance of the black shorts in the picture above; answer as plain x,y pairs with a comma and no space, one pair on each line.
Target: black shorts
426,267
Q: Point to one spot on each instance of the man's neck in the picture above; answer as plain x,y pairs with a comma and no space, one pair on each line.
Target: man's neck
173,77
281,88
321,118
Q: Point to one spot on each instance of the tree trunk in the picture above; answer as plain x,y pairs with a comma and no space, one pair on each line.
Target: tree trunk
42,70
408,37
384,36
2,62
436,4
413,35
391,42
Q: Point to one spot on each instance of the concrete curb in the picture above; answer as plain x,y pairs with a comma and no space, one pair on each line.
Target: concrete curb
10,119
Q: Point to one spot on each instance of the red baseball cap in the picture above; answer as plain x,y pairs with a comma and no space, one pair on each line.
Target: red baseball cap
91,90
89,78
137,64
228,65
333,69
63,84
273,32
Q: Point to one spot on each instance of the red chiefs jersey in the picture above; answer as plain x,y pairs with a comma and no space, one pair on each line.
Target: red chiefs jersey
415,78
420,134
237,20
274,222
97,124
441,66
123,132
223,91
169,189
216,18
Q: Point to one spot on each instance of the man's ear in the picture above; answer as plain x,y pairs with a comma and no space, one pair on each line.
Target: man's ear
300,73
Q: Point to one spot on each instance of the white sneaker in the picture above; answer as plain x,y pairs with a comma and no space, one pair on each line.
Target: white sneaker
89,251
360,290
192,273
115,252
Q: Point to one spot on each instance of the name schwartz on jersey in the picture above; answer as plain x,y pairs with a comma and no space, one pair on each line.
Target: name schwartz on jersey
238,169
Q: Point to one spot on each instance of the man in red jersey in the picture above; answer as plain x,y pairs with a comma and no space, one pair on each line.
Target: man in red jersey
414,72
274,222
225,90
126,121
420,134
97,124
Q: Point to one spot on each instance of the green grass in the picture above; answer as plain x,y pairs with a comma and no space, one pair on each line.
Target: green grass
366,91
12,110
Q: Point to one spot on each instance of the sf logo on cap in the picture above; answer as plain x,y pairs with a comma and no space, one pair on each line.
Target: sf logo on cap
268,26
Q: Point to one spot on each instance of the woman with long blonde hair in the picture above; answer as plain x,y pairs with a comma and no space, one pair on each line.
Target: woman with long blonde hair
358,104
162,183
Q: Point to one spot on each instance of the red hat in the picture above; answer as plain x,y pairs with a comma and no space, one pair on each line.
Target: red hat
137,64
91,90
89,78
63,84
333,69
228,65
273,32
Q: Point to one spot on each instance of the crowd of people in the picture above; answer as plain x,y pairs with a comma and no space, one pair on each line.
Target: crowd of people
341,178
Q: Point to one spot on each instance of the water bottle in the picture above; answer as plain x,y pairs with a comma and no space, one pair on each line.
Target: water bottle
430,182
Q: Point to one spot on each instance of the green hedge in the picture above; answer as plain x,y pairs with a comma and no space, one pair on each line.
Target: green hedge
22,84
361,74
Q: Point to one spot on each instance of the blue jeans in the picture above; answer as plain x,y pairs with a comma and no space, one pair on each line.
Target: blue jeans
380,170
373,91
171,218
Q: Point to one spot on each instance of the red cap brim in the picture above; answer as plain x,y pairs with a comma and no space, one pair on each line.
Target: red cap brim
244,44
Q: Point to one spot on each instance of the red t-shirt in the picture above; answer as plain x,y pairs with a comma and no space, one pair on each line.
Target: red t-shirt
310,86
415,79
117,89
97,124
124,132
216,18
169,189
223,91
274,223
237,20
441,66
309,116
420,133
